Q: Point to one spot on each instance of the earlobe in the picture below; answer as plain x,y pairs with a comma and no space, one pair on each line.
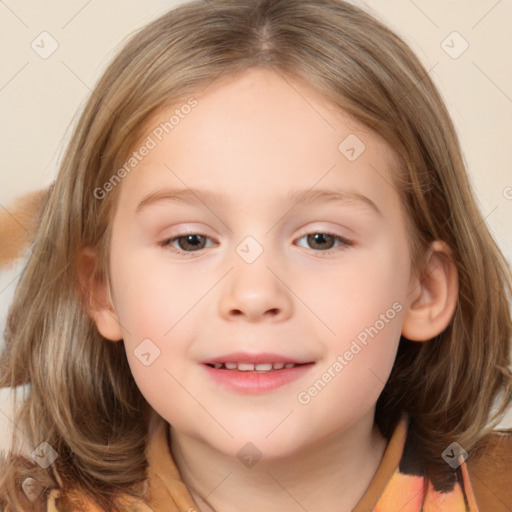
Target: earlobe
96,295
433,297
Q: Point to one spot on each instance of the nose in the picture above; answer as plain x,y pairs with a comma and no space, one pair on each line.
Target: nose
255,292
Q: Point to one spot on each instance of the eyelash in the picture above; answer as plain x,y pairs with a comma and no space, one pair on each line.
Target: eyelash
346,243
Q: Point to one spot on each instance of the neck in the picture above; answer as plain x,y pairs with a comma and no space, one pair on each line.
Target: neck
333,473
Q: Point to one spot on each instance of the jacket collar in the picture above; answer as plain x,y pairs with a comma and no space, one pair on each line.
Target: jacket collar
166,492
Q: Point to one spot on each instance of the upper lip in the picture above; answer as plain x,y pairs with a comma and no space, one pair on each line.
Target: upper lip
245,357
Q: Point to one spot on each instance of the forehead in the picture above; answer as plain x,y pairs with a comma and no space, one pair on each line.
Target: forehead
257,135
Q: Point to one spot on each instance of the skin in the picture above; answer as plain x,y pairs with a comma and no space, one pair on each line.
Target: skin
256,137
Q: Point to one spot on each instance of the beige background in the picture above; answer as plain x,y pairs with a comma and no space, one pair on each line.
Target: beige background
39,97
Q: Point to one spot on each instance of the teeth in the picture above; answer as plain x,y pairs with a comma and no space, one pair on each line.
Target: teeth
263,367
250,367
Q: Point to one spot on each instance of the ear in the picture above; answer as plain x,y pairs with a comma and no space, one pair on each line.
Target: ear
433,297
97,298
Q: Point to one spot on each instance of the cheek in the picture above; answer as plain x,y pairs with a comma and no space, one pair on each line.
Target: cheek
156,307
152,297
361,305
367,288
357,364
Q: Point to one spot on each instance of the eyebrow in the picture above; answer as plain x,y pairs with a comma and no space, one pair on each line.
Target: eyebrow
296,197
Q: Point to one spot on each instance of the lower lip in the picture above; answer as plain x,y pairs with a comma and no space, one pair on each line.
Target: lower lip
254,382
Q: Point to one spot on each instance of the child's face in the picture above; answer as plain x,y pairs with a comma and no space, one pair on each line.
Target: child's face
255,140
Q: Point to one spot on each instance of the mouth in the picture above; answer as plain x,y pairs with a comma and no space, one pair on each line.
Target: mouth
257,376
254,367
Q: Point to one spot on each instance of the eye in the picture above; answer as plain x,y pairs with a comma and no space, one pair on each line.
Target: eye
325,240
195,241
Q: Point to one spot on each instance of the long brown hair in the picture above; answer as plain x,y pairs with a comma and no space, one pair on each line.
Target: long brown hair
83,400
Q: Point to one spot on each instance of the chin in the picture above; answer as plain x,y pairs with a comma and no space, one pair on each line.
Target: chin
251,449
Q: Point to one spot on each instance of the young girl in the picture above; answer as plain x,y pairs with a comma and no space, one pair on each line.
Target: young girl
187,341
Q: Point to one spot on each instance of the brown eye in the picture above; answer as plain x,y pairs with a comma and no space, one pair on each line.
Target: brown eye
324,241
190,242
321,241
194,242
